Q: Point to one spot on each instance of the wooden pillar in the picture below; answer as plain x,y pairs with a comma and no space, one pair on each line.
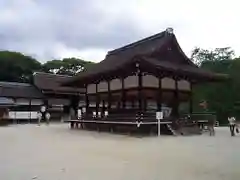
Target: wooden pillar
123,95
103,107
176,97
145,103
140,91
191,99
97,99
159,95
133,103
109,96
86,99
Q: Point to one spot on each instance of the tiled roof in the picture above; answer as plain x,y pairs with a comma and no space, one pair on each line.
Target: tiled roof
20,90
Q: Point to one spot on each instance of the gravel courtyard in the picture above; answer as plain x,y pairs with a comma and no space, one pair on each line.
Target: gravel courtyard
55,152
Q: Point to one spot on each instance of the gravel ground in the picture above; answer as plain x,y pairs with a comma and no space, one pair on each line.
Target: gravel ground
55,152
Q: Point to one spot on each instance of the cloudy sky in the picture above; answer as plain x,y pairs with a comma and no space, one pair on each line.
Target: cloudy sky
87,29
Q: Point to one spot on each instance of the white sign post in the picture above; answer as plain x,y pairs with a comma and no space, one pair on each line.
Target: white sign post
159,116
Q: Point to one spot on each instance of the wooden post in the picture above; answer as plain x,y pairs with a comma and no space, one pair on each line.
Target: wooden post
109,96
133,103
86,100
103,107
159,95
97,99
123,95
191,100
176,104
140,91
145,103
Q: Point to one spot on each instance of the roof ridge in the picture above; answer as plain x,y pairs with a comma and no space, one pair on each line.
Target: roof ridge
161,34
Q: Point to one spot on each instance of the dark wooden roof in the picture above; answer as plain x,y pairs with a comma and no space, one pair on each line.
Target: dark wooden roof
161,49
52,82
19,90
183,69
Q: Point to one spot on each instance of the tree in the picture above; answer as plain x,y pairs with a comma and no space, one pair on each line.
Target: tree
219,54
222,97
67,66
17,67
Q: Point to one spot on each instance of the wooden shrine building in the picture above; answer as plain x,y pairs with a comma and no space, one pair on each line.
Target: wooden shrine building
133,82
46,90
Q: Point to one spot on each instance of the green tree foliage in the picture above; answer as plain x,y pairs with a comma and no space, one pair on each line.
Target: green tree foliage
17,67
222,97
67,66
200,56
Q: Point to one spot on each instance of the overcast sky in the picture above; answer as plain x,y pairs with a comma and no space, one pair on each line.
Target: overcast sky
87,29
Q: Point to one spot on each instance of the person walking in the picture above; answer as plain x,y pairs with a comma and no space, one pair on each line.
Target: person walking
47,117
232,124
39,116
211,125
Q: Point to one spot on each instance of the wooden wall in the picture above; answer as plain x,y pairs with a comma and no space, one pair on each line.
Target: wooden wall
149,81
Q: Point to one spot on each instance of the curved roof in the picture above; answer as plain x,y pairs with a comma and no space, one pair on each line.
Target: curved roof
163,41
185,69
52,82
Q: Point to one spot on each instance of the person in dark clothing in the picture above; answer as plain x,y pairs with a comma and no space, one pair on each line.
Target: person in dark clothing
232,124
211,125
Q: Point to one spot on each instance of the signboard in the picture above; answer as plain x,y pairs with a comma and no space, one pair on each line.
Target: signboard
159,115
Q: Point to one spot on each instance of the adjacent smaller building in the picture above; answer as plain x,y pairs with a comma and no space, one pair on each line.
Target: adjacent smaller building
23,101
26,99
